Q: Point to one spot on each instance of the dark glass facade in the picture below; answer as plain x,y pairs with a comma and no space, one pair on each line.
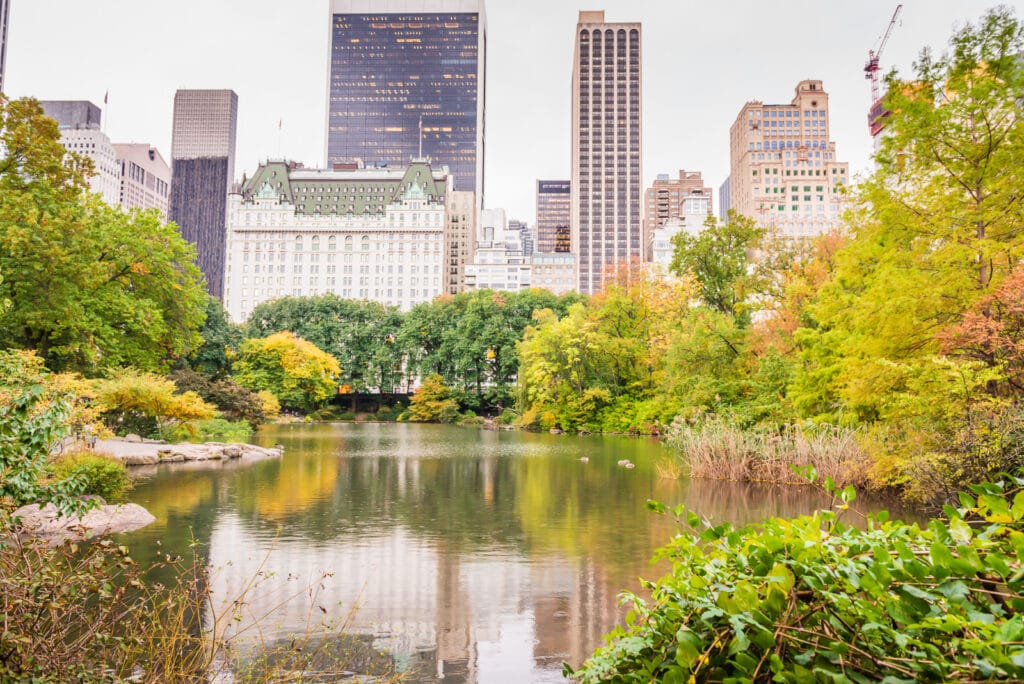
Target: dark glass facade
554,209
389,72
198,204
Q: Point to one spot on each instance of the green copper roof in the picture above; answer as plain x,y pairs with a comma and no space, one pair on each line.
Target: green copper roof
350,191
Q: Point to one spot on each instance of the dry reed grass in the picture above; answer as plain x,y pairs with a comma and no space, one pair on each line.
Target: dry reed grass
717,450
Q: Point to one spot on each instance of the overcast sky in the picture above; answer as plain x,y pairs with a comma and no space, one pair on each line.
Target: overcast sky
701,62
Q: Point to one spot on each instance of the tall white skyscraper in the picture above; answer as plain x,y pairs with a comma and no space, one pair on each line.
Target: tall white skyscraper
607,231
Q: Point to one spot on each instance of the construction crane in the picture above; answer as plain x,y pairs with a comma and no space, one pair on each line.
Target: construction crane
871,68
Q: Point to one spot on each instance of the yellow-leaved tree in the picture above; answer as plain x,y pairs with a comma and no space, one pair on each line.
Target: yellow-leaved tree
300,374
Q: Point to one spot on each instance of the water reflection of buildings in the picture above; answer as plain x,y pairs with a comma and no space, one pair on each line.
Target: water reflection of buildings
489,617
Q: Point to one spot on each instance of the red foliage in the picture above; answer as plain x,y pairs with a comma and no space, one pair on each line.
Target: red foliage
993,332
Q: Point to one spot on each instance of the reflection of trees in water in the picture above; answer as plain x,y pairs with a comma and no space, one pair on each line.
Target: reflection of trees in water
566,536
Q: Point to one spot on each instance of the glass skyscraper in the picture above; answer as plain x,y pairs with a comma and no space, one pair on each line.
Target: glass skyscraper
407,76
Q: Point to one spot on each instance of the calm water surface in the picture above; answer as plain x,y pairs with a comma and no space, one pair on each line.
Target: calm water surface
466,555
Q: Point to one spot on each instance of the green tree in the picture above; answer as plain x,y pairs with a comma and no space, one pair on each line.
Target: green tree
937,226
718,258
220,340
296,371
432,402
470,339
90,286
360,334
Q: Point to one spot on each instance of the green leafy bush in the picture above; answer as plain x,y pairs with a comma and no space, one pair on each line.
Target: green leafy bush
32,422
812,599
327,413
433,402
213,430
93,473
470,419
231,399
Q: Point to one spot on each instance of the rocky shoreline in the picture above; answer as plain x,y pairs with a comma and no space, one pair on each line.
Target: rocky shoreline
138,452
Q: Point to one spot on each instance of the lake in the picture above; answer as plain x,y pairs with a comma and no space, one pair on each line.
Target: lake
466,555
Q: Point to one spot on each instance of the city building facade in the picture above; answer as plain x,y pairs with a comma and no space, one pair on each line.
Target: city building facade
686,199
81,132
360,233
145,177
555,271
662,249
554,213
202,171
607,230
406,79
724,200
459,237
784,171
499,262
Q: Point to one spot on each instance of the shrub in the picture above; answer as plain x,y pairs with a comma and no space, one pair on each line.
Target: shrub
145,403
386,413
470,419
32,422
230,398
327,413
433,402
213,430
93,473
271,406
812,599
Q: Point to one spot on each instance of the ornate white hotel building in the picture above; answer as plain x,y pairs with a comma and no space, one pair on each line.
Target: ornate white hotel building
360,233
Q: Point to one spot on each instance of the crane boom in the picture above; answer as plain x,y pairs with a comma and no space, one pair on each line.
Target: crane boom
871,68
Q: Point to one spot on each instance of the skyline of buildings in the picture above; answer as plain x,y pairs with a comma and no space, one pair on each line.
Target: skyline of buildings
407,80
606,168
783,168
202,173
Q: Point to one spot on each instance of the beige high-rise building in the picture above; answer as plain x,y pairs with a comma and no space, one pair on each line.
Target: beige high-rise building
145,177
685,198
607,232
783,167
459,238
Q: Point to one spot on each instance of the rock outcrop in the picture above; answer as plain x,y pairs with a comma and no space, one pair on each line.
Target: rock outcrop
148,453
45,522
211,451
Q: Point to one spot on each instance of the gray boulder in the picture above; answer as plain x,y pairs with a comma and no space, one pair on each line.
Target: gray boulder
46,522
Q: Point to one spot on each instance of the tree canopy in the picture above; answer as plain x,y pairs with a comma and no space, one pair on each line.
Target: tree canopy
90,286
